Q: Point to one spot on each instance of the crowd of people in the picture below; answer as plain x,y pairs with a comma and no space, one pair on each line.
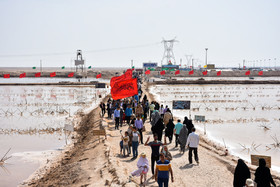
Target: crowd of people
134,113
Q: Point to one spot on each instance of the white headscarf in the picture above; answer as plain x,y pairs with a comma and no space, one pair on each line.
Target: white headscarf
143,162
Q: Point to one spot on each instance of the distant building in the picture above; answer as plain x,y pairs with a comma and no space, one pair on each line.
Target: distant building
210,66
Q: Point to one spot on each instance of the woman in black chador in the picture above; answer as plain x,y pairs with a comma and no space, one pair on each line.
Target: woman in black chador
241,173
263,176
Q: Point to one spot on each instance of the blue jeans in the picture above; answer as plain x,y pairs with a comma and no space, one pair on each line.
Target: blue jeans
162,181
135,148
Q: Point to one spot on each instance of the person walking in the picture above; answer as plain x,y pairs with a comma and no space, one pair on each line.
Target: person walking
163,169
143,168
155,145
263,176
152,108
167,116
189,124
241,173
183,135
166,153
177,130
135,142
139,126
192,143
161,111
139,110
128,113
125,144
158,127
169,130
117,115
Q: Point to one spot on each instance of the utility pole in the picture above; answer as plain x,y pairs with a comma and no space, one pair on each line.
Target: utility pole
206,49
41,66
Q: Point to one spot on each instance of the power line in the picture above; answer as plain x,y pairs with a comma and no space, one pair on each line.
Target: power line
87,51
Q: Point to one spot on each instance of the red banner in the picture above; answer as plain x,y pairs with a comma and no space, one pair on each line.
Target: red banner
260,72
71,74
53,74
219,73
22,75
98,76
38,74
6,76
125,88
162,72
177,72
204,72
123,77
148,72
191,72
247,72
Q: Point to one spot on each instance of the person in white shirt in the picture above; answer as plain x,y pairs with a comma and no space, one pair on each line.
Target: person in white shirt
192,143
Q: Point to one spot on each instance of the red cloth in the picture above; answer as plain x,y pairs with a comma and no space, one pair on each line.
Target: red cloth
219,73
177,72
191,72
38,74
162,72
6,76
98,76
204,72
22,75
53,74
123,77
148,72
71,74
247,72
124,88
260,72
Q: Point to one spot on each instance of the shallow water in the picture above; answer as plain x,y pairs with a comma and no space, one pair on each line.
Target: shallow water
26,109
235,114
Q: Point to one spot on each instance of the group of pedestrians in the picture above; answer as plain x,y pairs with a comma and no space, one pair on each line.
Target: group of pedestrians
134,113
242,175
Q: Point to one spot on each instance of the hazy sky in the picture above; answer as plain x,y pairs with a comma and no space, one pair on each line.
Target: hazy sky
113,32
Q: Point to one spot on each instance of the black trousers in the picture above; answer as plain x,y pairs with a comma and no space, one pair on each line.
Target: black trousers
176,140
141,134
127,119
193,149
103,111
154,158
117,123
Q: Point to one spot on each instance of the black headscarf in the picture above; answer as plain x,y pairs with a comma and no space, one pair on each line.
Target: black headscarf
241,173
263,176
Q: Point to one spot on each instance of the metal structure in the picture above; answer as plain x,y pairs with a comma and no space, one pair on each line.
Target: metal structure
189,60
79,62
168,51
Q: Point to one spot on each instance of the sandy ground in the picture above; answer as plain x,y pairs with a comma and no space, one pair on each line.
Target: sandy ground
90,163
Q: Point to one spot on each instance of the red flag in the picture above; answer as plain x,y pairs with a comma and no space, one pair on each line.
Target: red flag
98,76
123,77
129,71
204,72
162,72
148,72
219,73
124,88
22,75
247,72
71,74
53,74
191,72
177,72
38,74
260,72
6,76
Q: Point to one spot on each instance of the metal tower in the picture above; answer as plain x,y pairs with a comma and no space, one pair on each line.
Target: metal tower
79,62
168,51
